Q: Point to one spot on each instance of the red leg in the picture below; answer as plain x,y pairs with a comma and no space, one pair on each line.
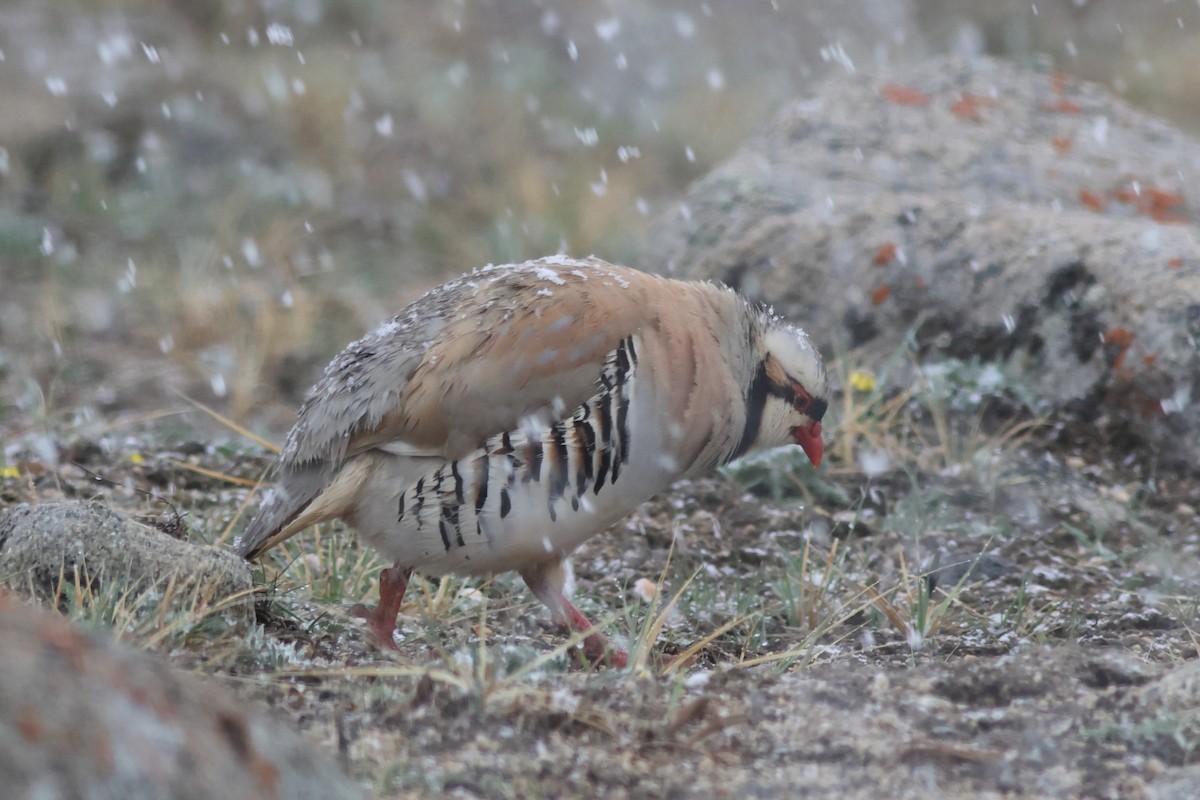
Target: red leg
381,620
546,583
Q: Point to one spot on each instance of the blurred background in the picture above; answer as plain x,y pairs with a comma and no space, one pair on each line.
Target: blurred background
210,199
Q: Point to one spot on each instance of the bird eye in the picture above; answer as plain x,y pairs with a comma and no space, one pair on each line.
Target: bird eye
802,398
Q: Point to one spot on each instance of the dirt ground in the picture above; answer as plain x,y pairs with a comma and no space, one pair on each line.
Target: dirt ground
1052,656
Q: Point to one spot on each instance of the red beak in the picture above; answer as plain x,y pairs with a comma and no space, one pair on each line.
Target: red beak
809,439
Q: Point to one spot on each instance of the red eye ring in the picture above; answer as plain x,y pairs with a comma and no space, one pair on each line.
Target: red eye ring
802,398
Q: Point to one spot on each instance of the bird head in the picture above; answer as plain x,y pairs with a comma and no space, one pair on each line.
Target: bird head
792,389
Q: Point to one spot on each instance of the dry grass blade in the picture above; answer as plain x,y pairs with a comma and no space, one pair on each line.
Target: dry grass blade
574,640
656,620
227,533
826,579
804,650
435,604
1020,432
681,660
228,423
151,614
869,416
656,623
217,474
474,677
137,419
203,605
887,609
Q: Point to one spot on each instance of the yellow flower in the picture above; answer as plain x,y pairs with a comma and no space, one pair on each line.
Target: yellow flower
136,458
9,472
862,381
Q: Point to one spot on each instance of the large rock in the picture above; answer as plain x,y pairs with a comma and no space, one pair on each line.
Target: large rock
84,717
995,211
45,550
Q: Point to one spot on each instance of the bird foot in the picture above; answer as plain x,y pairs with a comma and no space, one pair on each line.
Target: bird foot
380,626
381,619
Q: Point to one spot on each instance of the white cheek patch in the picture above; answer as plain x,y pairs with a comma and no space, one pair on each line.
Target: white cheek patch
778,419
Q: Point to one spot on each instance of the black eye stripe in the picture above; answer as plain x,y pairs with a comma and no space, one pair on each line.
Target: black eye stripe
784,392
813,407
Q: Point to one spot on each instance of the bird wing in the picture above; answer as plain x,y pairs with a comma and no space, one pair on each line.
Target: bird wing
470,359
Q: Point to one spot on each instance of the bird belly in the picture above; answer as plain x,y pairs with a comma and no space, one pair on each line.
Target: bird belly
437,527
523,538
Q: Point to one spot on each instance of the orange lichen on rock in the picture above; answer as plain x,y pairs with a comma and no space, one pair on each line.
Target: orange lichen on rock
29,725
1058,81
1063,105
1162,205
1124,195
885,254
967,106
879,294
1117,340
1061,144
904,95
1091,201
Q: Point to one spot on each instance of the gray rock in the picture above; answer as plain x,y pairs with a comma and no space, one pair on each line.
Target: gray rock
1175,693
84,717
988,210
1162,717
1178,783
46,548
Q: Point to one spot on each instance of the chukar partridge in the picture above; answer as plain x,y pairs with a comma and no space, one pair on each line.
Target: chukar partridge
505,417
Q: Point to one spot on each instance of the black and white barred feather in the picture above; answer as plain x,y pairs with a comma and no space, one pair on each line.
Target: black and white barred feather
566,463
